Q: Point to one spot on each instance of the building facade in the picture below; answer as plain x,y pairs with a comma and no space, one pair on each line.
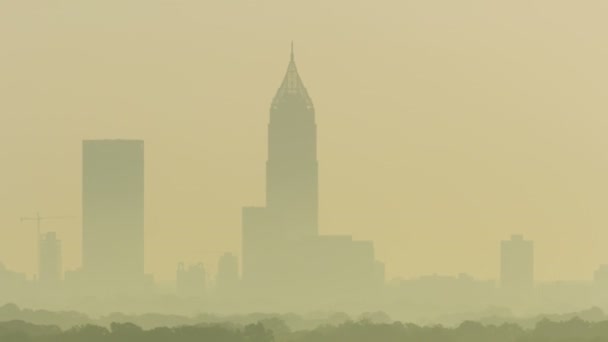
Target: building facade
113,211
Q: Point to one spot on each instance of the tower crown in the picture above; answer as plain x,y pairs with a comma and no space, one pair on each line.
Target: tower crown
292,84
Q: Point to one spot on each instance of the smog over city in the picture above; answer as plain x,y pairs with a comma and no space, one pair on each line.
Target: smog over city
279,170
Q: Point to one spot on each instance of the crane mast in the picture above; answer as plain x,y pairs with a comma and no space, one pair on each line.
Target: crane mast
38,219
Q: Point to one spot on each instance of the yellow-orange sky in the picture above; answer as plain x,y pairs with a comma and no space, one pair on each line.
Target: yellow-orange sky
443,126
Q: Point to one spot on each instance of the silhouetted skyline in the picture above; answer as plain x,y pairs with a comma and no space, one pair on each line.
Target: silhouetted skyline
425,170
468,120
287,262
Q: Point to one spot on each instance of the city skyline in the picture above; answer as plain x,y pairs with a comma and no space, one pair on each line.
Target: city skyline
113,186
390,141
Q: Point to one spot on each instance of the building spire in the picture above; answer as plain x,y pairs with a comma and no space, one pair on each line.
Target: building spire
292,84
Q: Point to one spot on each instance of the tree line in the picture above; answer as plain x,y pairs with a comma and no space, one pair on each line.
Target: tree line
571,330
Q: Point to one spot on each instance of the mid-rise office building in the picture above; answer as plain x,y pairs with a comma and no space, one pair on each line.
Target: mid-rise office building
517,264
50,263
227,280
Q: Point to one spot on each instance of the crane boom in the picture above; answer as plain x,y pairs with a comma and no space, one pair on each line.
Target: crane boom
39,218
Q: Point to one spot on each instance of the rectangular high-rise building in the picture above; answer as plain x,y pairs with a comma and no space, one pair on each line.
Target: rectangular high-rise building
517,264
113,209
50,263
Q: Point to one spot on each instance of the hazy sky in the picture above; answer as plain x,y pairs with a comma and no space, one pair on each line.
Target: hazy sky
443,126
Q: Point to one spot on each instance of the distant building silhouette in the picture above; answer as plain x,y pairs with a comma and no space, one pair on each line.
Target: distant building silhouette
600,285
282,251
600,276
517,264
50,263
560,295
12,284
227,280
113,213
450,292
191,281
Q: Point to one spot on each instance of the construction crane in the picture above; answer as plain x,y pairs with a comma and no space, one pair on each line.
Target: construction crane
39,218
208,252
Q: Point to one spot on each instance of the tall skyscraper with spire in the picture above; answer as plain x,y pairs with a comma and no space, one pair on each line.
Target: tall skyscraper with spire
282,251
291,169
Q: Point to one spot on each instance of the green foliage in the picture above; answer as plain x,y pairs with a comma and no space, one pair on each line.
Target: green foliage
274,330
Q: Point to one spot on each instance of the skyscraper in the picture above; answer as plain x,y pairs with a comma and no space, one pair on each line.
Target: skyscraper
283,253
291,209
291,183
517,264
291,169
113,211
